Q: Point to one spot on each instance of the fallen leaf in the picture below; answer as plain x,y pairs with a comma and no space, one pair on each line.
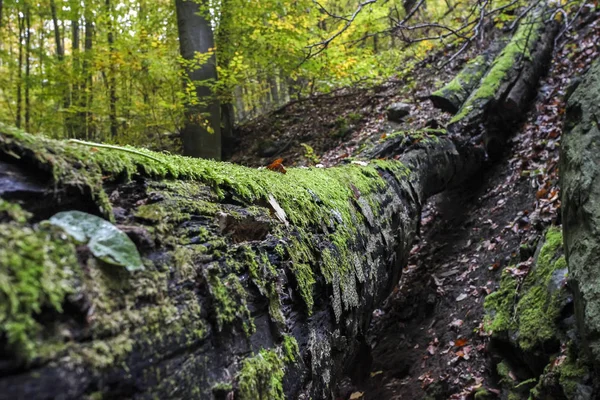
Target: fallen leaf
461,297
356,395
460,342
279,212
277,166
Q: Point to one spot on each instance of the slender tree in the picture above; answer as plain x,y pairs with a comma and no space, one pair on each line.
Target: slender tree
21,23
27,67
112,79
201,134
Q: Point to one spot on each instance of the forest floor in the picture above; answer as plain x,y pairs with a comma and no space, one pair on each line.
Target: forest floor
427,338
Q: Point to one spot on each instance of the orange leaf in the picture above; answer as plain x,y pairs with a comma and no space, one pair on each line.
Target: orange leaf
541,193
460,342
277,166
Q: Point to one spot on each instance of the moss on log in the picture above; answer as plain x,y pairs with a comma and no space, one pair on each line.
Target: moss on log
509,85
255,283
450,97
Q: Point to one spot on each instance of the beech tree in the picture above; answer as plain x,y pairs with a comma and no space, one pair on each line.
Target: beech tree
201,132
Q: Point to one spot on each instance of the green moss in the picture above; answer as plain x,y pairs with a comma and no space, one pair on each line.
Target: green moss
527,33
500,305
230,301
416,135
533,310
222,387
572,372
539,308
13,211
261,377
483,394
311,199
37,269
290,348
469,76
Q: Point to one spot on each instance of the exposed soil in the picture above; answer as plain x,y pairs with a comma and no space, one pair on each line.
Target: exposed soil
335,125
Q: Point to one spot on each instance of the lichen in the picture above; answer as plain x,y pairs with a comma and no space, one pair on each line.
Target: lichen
261,377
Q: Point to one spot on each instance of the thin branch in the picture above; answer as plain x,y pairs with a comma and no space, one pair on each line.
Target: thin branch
328,12
112,147
325,43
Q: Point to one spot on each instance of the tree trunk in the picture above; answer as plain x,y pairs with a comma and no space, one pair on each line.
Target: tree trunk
74,125
60,52
241,265
21,23
27,68
510,82
112,75
451,97
201,133
86,67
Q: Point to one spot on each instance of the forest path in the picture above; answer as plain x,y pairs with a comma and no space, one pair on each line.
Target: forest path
427,339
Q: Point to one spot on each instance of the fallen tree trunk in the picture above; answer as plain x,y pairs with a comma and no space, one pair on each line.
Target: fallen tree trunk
255,283
451,97
579,178
510,84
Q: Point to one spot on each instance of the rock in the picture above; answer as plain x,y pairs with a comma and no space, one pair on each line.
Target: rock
397,111
580,161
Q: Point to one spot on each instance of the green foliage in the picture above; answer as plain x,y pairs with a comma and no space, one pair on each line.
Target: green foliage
267,52
104,240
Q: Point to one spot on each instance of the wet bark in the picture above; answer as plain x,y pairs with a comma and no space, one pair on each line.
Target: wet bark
497,104
452,96
167,331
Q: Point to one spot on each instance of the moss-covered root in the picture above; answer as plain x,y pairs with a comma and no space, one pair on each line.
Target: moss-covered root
450,97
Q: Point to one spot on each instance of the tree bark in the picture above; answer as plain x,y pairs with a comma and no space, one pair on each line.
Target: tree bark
60,52
497,103
21,23
225,277
112,75
201,133
451,97
86,67
27,68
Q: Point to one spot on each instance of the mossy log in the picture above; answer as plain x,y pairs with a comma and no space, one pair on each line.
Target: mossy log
500,100
580,184
256,283
451,97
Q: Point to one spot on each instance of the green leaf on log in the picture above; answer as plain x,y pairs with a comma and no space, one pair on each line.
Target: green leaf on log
104,240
